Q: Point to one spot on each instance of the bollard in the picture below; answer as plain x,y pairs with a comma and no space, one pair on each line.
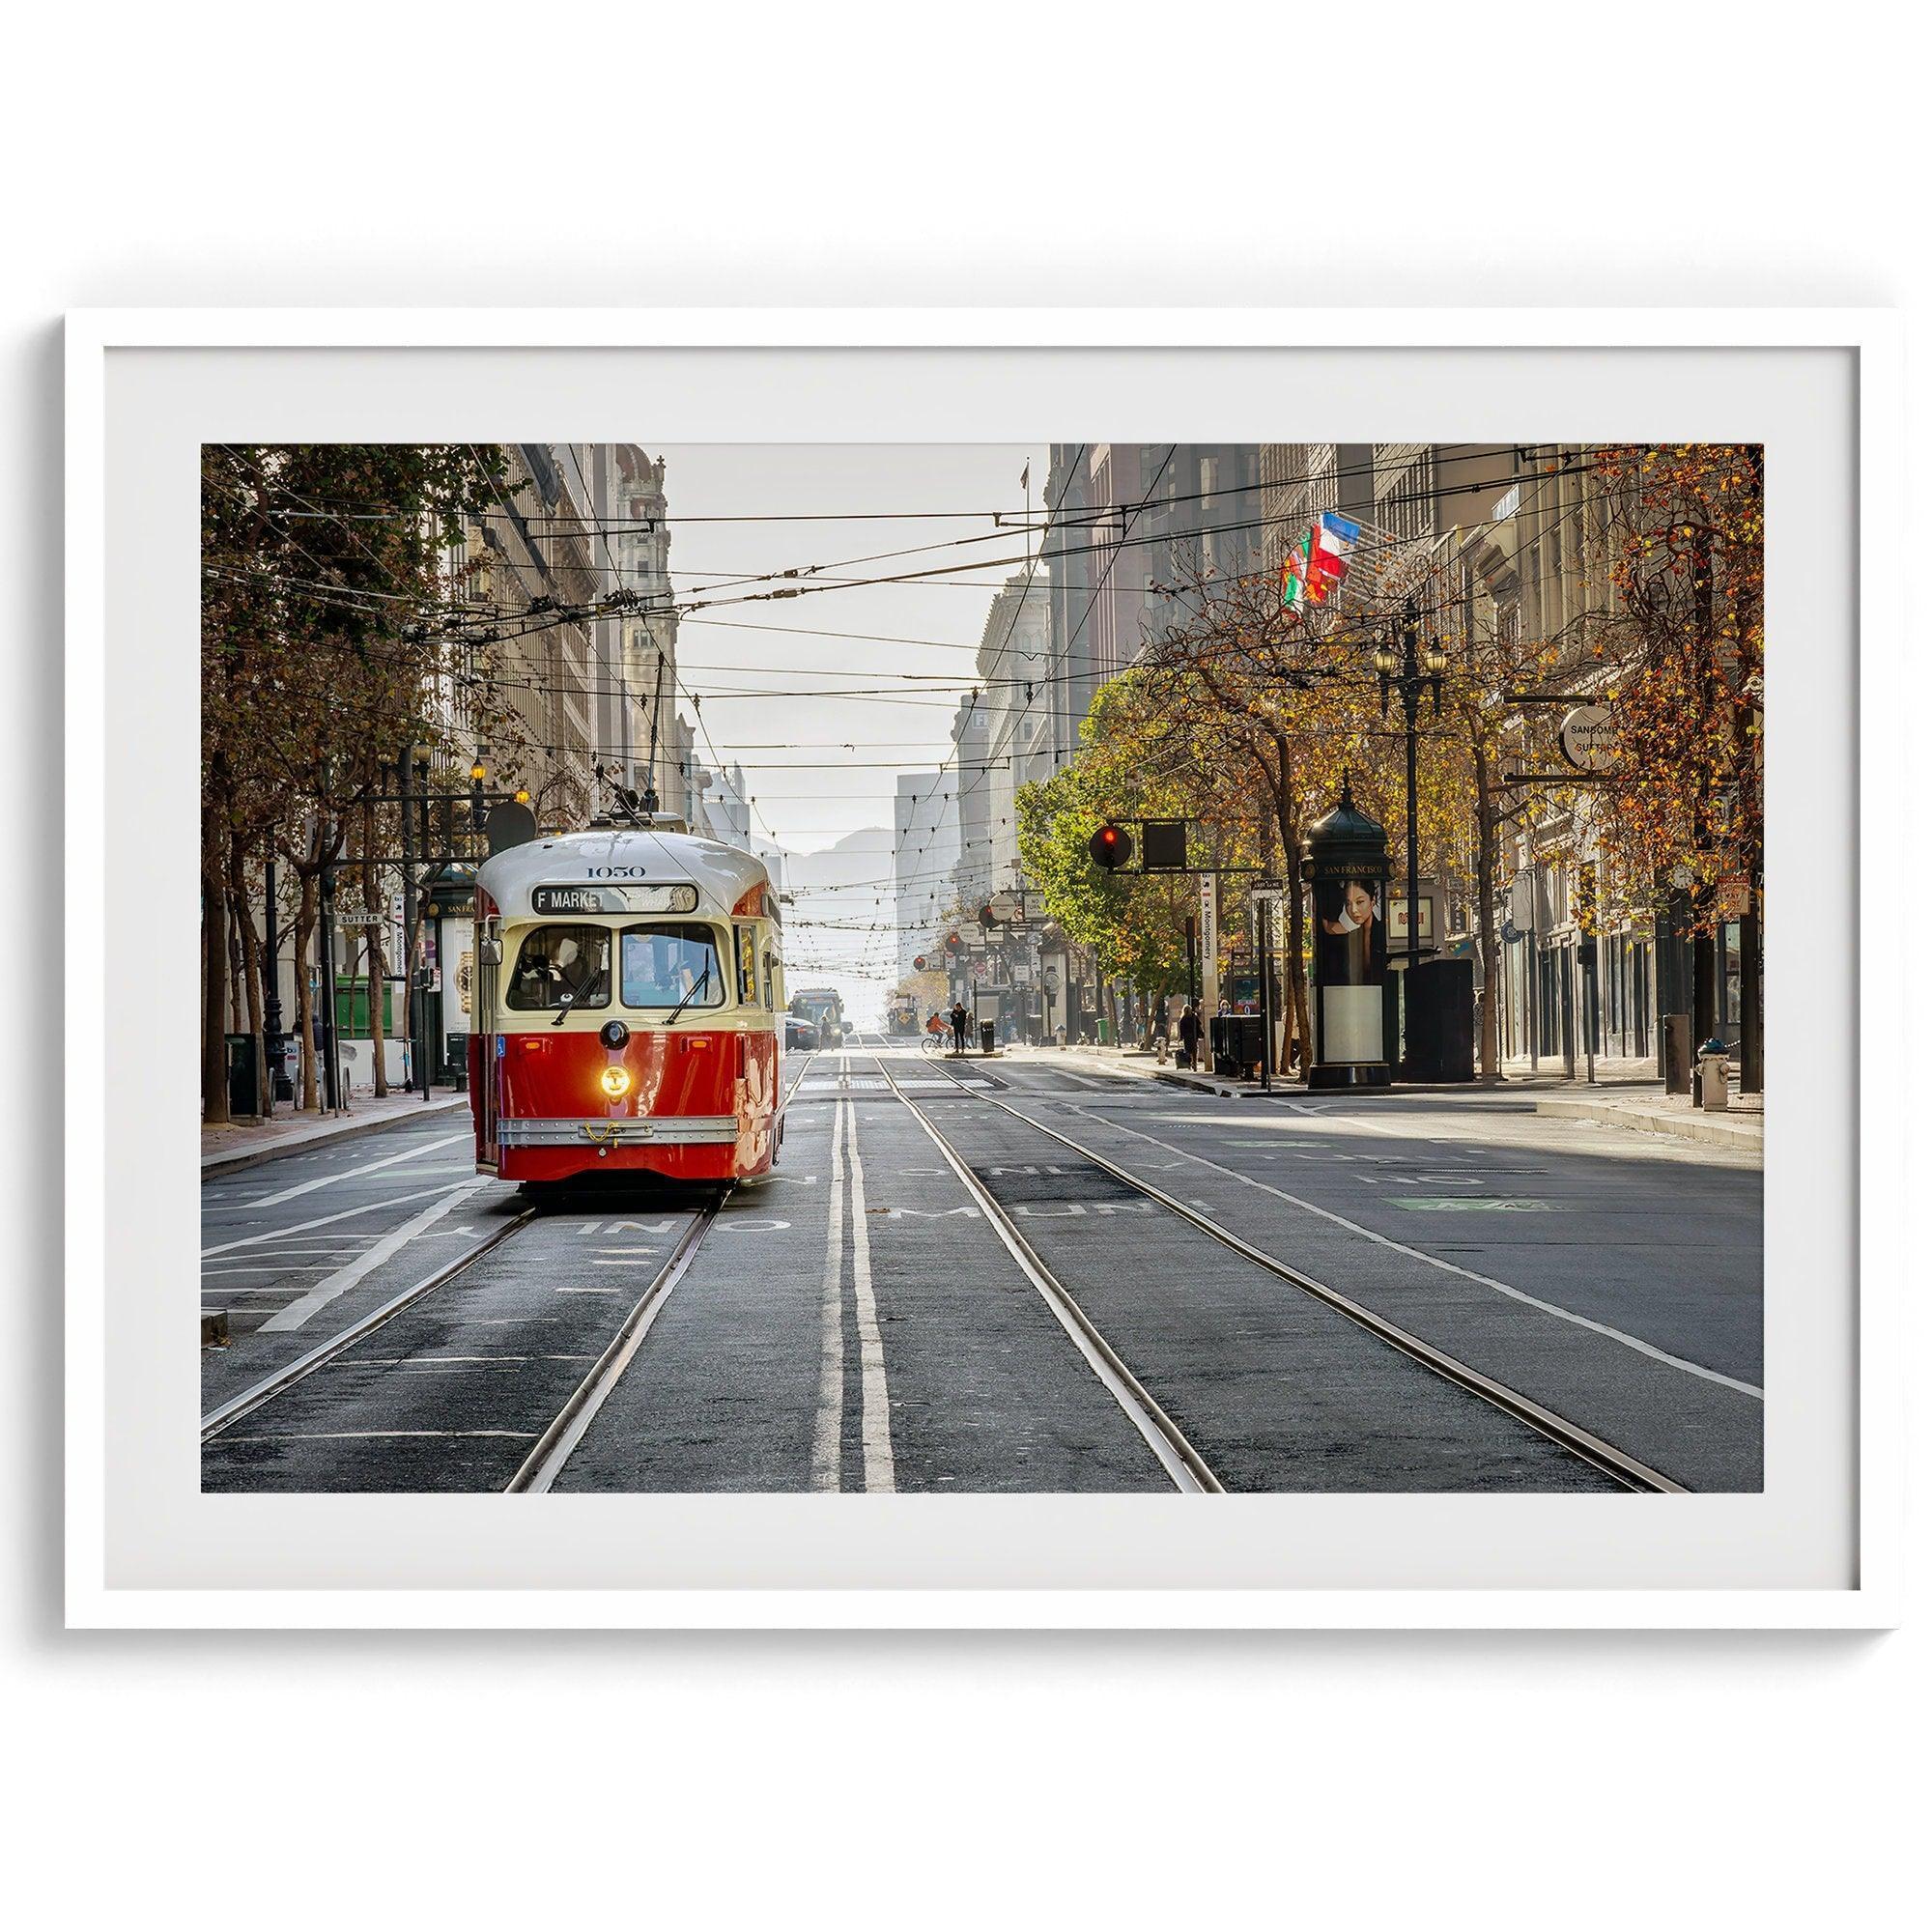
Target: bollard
1677,1053
1713,1076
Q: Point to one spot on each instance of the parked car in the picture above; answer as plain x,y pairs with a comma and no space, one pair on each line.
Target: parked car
801,1036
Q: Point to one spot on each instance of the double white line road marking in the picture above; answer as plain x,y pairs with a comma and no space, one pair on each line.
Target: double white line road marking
875,1433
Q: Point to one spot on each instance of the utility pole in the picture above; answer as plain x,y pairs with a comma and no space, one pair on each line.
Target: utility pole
1264,935
279,1086
405,770
332,1063
1704,967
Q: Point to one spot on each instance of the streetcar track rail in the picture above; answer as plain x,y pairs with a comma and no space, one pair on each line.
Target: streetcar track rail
258,1394
539,1471
1185,1466
1588,1447
798,1078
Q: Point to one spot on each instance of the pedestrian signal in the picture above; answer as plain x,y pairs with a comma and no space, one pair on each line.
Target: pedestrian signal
1164,844
1110,848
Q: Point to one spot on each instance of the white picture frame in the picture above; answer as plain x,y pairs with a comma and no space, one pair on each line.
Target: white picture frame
1850,1070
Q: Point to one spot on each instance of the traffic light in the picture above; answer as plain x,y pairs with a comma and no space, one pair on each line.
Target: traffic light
953,942
1110,848
919,962
1586,899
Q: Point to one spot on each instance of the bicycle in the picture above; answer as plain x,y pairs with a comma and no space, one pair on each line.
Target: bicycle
934,1045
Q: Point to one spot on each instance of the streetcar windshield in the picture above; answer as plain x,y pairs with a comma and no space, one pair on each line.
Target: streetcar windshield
559,967
670,966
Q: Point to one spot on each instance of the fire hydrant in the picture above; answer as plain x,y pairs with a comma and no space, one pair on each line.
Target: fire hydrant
1714,1075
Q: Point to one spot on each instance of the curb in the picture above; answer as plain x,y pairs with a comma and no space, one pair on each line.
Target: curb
213,1164
1691,1128
1198,1083
1203,1084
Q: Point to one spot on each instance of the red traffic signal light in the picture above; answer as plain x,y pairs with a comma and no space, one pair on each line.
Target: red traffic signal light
919,962
1110,848
953,942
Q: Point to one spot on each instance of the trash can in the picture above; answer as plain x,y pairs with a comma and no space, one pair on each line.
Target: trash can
986,1037
1713,1076
1440,995
243,1097
1235,1040
456,1060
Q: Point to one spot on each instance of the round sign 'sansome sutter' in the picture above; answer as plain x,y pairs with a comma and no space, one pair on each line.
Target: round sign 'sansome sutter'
1588,738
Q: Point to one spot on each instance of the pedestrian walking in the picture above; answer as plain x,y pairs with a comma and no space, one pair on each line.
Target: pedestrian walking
958,1018
1190,1036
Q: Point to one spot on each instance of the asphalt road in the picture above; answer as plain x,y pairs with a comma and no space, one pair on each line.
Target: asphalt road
858,1322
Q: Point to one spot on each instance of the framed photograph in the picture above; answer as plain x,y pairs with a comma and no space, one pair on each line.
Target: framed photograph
934,969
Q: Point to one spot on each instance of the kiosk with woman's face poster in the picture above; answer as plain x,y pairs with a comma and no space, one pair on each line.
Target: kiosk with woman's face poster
1345,863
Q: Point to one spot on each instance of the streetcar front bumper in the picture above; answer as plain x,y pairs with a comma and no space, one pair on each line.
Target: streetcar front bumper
672,1130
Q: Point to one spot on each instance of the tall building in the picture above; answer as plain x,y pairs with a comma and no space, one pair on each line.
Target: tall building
641,701
721,804
925,847
969,776
570,705
1516,543
1017,703
1131,527
529,555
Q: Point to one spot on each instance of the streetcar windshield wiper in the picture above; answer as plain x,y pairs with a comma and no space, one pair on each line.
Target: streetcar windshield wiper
703,980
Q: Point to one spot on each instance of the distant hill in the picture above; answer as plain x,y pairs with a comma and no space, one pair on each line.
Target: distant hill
857,856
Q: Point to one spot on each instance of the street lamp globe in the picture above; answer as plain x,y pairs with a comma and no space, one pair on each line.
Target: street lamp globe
1435,660
1387,662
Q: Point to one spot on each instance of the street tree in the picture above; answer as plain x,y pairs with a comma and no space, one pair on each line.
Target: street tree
1282,708
1686,651
327,626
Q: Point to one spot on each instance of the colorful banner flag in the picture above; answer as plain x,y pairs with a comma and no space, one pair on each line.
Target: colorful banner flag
1320,561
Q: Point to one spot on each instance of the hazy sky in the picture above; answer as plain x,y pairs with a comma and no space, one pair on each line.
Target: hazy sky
823,767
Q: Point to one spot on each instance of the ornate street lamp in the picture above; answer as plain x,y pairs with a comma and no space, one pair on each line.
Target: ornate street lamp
1407,666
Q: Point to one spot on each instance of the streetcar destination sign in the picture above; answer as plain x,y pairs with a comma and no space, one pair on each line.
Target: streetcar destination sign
607,899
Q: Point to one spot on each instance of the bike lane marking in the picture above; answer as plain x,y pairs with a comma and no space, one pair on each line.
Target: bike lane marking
875,1412
350,1173
342,1279
1603,1328
322,1221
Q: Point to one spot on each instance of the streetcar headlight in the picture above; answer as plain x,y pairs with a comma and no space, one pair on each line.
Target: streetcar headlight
615,1082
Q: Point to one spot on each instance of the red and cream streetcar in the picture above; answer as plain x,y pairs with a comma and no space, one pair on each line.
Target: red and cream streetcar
629,1013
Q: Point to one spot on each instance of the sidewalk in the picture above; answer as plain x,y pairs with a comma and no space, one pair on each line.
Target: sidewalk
246,1143
1134,1060
1627,1092
1739,1125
